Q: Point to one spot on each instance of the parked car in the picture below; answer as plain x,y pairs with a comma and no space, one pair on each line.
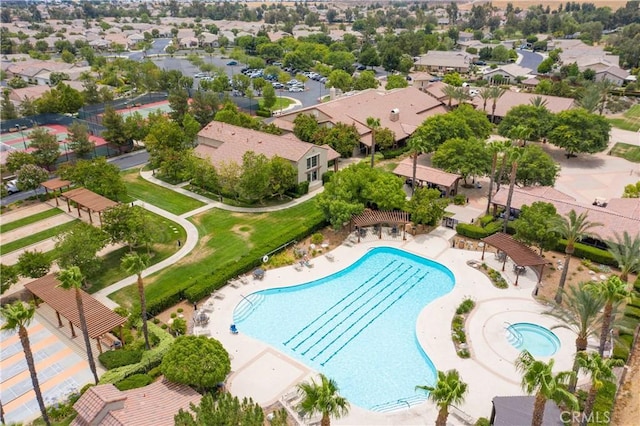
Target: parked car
232,63
296,89
277,64
361,68
12,186
277,85
200,75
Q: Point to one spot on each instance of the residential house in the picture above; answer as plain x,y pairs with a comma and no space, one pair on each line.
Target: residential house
616,75
155,404
509,73
512,99
421,80
30,69
223,143
464,37
399,110
44,78
617,215
442,62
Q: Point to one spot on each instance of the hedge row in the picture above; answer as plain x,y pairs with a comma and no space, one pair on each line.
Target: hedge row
119,358
393,153
584,251
477,232
630,319
252,259
150,359
134,381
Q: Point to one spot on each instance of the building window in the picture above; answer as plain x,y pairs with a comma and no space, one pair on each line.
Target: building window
312,176
312,162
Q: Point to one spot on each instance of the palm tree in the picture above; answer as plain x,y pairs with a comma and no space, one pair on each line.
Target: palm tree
322,398
485,94
496,93
134,263
600,371
417,146
448,390
71,278
573,228
373,124
539,102
450,92
538,378
605,86
612,291
496,148
520,133
17,317
626,252
461,94
580,314
514,156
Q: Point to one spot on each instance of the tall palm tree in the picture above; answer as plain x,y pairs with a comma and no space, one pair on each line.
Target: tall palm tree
600,371
496,93
496,148
538,379
71,278
613,291
17,317
322,398
373,124
450,92
461,94
580,314
573,228
521,134
485,94
448,390
626,252
514,156
605,86
136,264
417,146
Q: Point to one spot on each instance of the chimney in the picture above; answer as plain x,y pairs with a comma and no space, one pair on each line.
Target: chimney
395,114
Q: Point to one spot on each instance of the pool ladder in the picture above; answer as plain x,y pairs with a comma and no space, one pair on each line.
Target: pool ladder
513,336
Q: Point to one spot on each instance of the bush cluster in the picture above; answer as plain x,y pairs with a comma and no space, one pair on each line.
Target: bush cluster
478,232
119,358
630,320
497,279
134,381
465,307
393,153
587,252
458,333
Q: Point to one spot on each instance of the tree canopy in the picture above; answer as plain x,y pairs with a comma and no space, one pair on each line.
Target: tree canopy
426,206
537,118
534,225
536,167
466,157
578,131
96,175
197,361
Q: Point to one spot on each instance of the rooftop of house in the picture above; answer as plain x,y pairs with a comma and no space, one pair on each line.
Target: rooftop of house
444,59
239,140
512,99
514,70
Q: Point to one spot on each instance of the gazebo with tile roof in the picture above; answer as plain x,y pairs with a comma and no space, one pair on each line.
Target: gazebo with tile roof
100,319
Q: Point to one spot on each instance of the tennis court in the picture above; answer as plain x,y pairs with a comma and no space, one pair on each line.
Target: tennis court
145,110
21,140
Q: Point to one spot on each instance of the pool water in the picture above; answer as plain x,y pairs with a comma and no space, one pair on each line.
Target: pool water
356,326
538,340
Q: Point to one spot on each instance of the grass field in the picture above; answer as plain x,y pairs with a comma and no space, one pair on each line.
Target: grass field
630,121
225,237
36,238
166,244
6,227
166,199
626,151
280,103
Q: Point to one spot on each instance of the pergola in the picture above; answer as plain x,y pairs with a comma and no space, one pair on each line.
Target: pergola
55,185
521,254
100,319
87,200
379,217
446,180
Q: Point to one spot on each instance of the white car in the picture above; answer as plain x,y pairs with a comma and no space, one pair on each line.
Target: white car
296,89
12,186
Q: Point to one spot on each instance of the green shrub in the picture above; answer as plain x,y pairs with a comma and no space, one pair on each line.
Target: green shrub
587,252
632,311
393,153
263,113
317,238
482,421
326,176
299,190
134,381
465,307
604,402
180,310
464,353
173,315
459,200
119,358
485,220
150,359
155,372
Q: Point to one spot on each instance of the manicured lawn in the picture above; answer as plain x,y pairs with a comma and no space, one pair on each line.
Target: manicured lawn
167,243
626,151
225,237
6,227
164,198
37,237
630,121
280,103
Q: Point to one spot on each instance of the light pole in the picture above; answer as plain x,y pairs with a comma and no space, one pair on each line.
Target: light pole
24,142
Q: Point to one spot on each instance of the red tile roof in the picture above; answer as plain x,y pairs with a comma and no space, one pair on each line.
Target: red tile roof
155,404
512,99
617,217
425,174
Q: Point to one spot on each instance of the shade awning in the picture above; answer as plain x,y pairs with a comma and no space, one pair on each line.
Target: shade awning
426,174
521,254
374,217
100,319
89,199
56,183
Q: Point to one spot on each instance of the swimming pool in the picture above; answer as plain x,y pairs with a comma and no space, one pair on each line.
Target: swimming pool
356,326
538,340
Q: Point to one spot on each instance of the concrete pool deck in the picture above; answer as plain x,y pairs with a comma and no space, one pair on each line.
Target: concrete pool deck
265,374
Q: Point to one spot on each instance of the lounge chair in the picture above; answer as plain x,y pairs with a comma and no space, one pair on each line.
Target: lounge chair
298,267
234,284
244,280
329,256
217,295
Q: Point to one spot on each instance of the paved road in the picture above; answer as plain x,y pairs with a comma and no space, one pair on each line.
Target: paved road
157,48
529,59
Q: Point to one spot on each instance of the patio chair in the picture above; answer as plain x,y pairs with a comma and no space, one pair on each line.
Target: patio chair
233,329
244,280
329,256
298,266
217,295
234,284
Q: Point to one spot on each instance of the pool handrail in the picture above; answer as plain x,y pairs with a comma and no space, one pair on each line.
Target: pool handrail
514,333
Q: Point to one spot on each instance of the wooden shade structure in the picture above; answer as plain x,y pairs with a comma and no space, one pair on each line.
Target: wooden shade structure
87,200
521,254
55,185
379,217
